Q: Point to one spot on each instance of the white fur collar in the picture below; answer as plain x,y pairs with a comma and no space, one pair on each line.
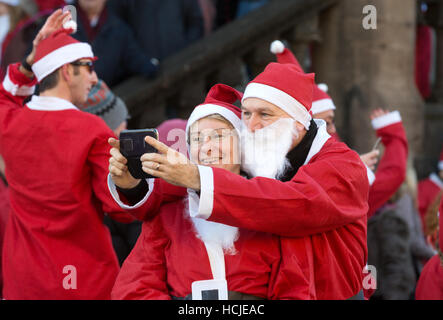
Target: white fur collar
49,104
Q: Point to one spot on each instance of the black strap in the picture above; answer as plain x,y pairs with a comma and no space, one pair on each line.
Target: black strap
26,65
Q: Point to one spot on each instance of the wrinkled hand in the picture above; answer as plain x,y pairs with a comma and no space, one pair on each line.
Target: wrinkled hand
370,158
118,169
170,165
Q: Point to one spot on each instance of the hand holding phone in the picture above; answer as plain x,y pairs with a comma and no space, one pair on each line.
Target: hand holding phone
133,146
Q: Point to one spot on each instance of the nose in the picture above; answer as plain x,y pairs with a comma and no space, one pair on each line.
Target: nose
94,78
254,123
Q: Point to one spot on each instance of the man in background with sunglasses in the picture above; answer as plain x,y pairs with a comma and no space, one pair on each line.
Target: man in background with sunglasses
56,156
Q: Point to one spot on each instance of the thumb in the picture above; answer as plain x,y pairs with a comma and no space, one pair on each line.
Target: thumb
114,143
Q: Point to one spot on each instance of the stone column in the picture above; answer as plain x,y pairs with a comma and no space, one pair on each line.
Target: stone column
366,69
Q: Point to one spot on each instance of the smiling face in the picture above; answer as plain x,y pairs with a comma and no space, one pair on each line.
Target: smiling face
215,143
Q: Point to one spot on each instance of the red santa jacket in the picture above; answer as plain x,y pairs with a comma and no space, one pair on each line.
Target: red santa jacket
56,165
320,215
428,190
168,257
391,171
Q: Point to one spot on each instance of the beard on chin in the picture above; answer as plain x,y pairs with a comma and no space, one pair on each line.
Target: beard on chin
218,233
264,151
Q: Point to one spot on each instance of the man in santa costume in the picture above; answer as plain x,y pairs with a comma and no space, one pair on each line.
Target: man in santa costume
55,246
388,126
428,190
309,189
179,257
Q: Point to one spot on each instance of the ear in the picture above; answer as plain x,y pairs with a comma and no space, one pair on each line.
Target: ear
298,126
66,72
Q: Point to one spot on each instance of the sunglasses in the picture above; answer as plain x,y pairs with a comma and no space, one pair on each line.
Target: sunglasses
88,64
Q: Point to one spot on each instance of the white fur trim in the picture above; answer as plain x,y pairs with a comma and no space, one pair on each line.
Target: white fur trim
201,207
216,260
41,103
113,190
277,47
386,120
15,89
323,87
70,24
205,110
440,165
320,139
436,179
60,57
371,175
281,99
322,105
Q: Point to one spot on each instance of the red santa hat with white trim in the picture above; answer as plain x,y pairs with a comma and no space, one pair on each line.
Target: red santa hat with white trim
219,100
285,86
321,100
57,50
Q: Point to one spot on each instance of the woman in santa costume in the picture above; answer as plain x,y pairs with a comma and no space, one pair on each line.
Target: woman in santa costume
428,190
179,257
307,188
55,246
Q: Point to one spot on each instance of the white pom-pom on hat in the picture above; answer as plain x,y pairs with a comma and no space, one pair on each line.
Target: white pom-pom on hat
70,24
277,47
323,87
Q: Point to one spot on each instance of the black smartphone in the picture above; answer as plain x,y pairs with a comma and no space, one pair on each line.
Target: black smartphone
133,146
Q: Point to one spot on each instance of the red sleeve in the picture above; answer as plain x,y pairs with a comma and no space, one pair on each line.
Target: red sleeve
98,157
329,192
143,274
159,192
14,88
391,171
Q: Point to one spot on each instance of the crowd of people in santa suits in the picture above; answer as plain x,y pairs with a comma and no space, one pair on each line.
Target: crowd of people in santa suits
238,217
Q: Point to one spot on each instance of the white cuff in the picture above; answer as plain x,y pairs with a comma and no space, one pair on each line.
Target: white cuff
371,175
113,190
440,165
201,207
386,120
15,89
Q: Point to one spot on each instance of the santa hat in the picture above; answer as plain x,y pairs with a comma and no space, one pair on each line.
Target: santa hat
219,101
13,3
321,100
285,86
57,50
440,162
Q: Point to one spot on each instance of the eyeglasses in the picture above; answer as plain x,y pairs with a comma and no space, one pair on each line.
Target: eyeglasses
88,64
216,136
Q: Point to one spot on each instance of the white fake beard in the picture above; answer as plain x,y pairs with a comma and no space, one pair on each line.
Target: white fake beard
218,233
264,151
